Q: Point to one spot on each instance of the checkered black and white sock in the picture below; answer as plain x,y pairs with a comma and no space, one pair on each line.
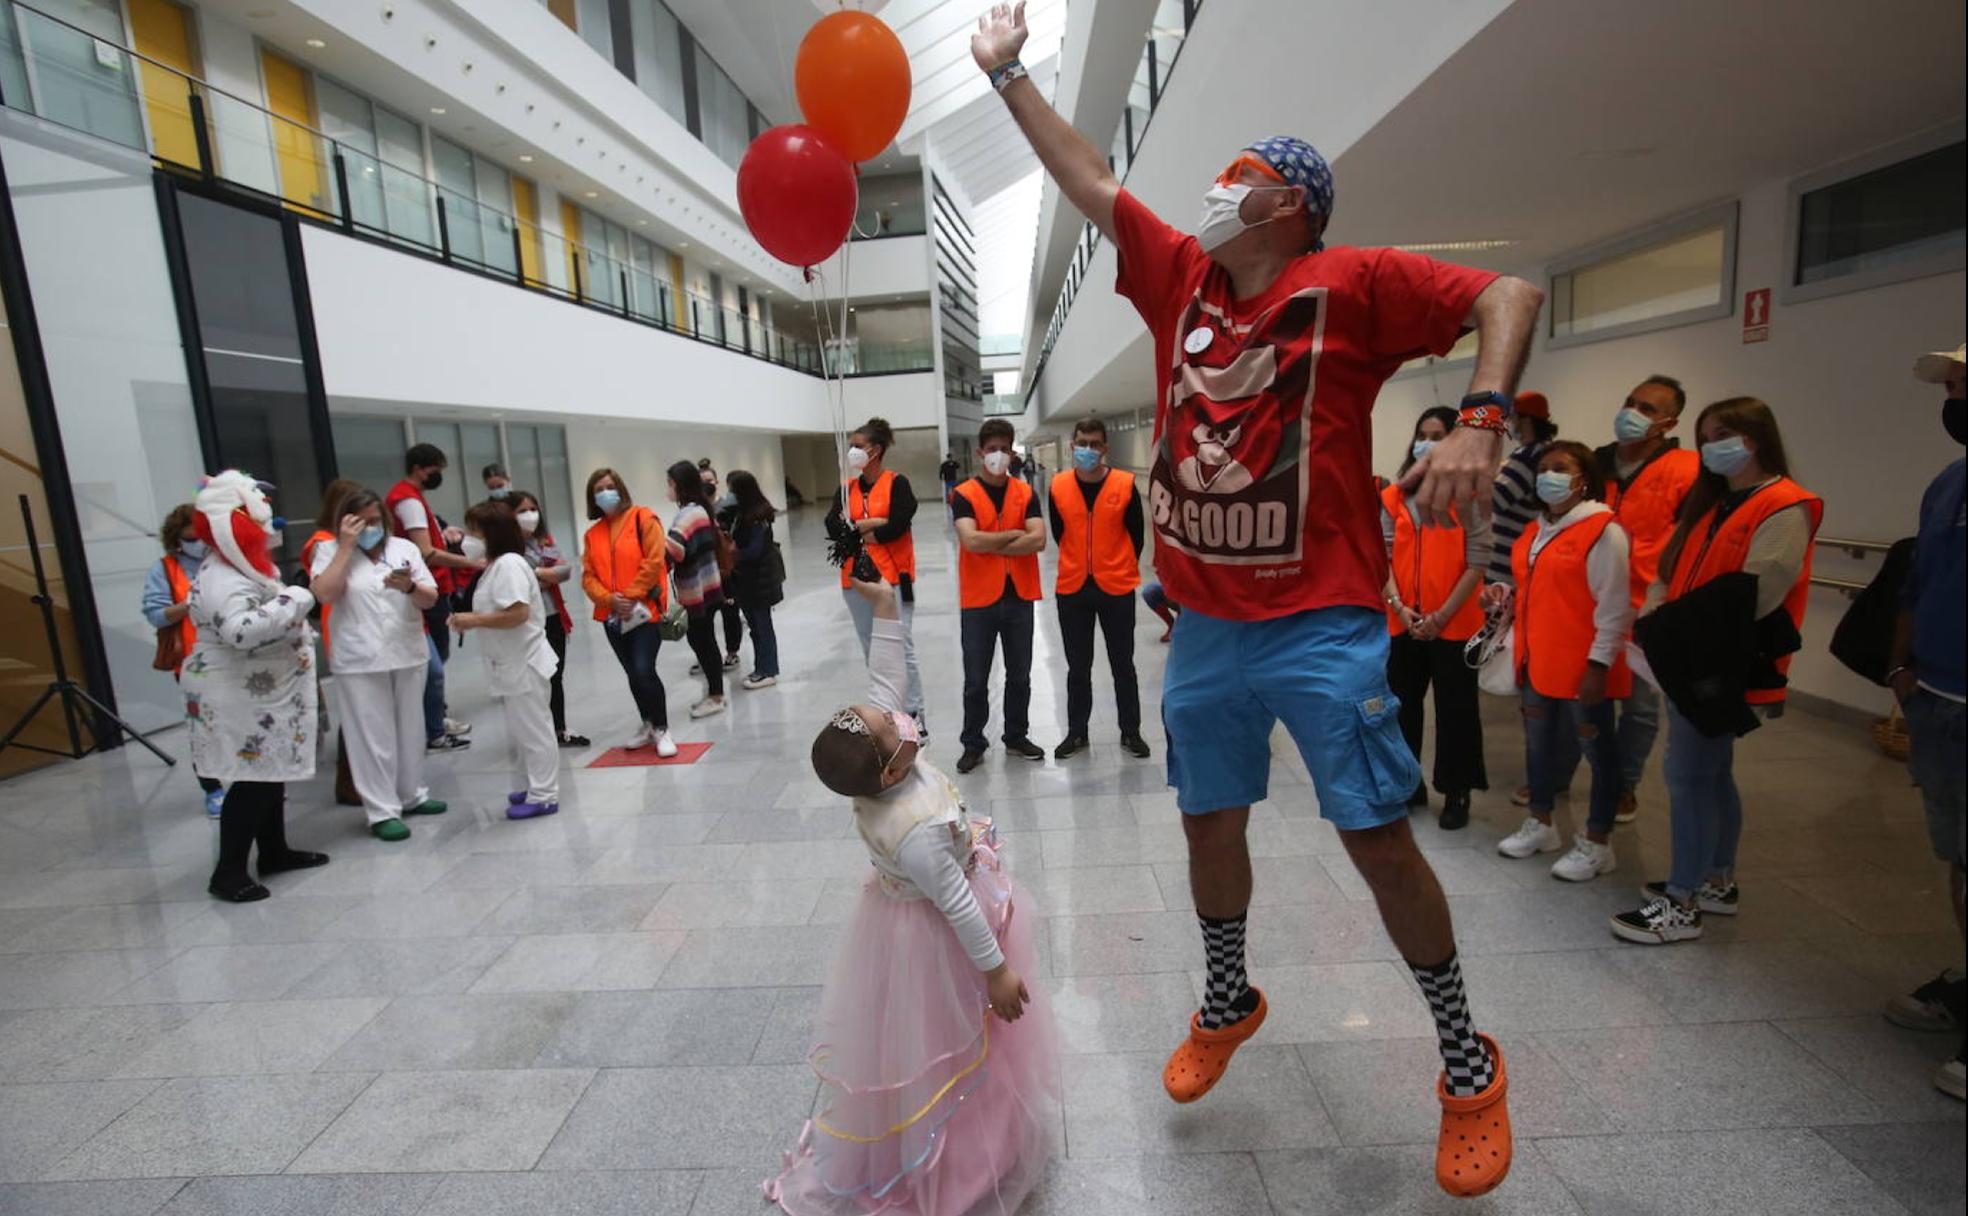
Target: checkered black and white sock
1464,1060
1228,997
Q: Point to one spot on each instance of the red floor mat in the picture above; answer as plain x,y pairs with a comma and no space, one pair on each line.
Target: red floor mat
622,757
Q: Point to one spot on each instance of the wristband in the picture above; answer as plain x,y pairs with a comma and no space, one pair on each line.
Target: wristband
1006,72
1486,411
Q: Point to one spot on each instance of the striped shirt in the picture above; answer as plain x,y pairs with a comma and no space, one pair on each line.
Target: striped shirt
692,546
1514,504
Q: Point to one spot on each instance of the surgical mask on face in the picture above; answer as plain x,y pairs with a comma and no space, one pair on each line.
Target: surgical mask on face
473,547
193,549
529,522
1222,220
371,537
995,463
1630,425
1086,460
1725,457
857,459
434,480
499,491
1422,447
609,501
1554,487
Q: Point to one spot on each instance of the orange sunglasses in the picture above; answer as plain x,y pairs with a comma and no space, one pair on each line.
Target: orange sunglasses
1246,161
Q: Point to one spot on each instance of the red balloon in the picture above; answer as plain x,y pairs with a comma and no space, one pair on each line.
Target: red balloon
852,77
797,193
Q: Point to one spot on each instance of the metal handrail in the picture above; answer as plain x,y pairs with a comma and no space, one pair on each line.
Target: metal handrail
1844,586
1857,548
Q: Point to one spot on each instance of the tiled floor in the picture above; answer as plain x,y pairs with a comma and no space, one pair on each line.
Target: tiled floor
606,1012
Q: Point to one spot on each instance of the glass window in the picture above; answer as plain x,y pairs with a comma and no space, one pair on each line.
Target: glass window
721,111
461,485
1672,274
370,450
591,19
80,79
495,199
406,197
457,185
658,46
347,118
1897,215
556,486
478,447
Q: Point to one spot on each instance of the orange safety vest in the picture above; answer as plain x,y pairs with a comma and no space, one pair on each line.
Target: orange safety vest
174,574
1095,541
1724,545
894,558
615,559
1427,563
1647,510
981,576
1554,633
308,547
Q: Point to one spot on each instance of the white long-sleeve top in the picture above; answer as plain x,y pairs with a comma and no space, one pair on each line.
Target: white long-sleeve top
1776,554
1607,576
918,831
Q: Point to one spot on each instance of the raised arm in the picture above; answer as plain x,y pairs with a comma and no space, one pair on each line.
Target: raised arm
1462,468
1079,168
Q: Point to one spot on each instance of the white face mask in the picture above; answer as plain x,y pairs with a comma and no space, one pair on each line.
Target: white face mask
1422,447
857,459
473,547
529,522
995,463
1222,219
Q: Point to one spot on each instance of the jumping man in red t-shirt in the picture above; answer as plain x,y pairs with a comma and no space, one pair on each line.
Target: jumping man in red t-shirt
1270,349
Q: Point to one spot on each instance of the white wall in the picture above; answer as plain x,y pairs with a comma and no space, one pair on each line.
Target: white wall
643,452
870,270
1859,430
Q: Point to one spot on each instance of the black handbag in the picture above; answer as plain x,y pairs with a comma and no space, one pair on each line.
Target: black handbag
1863,640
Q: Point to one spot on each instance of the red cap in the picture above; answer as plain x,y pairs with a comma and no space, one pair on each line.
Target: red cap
1533,405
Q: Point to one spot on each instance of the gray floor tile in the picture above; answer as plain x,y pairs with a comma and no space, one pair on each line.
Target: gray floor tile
1712,982
41,1124
492,1030
229,973
736,826
1331,930
685,1118
1725,1075
125,1197
1920,1164
765,957
1384,1093
1090,891
507,871
1571,990
253,1037
397,916
1338,1001
1125,944
1892,1066
416,967
1109,1013
611,909
1192,1184
1400,1179
788,1033
1275,882
1116,1107
610,1193
215,1125
81,1044
660,1029
1778,1171
450,1121
717,905
675,863
306,1195
581,961
78,977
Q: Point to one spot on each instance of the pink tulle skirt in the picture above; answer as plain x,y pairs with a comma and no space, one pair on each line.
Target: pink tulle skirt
930,1104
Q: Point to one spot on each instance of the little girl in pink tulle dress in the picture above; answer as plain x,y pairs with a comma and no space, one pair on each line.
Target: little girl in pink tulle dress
939,1064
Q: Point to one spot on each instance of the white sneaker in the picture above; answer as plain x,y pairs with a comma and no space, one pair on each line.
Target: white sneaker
756,682
1587,861
1951,1079
1533,837
665,746
454,727
642,738
707,707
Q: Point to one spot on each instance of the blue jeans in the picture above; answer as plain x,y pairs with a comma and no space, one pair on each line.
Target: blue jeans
1936,729
1705,809
1638,725
433,691
636,651
765,642
1554,727
1010,619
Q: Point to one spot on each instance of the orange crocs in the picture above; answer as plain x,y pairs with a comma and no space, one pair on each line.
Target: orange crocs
1200,1062
1473,1153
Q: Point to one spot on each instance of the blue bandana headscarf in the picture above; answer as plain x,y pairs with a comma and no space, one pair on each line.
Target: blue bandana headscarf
1300,164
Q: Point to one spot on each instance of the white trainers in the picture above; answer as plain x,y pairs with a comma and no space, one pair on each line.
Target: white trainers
758,681
707,707
665,746
454,727
1587,861
642,738
1951,1079
1531,838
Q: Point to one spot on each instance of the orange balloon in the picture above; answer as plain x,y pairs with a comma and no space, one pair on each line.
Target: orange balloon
852,77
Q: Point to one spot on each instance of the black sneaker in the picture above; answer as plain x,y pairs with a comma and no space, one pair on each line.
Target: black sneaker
969,760
1134,745
1419,797
570,739
1455,811
1658,923
447,743
1936,1005
1024,749
1070,746
1711,899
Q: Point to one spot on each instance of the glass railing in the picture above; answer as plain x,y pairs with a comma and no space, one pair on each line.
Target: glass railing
863,358
1174,19
66,75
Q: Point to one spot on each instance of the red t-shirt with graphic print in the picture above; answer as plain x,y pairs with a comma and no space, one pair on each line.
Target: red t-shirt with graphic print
1261,490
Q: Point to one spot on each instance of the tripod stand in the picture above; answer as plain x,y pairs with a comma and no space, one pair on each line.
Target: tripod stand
67,690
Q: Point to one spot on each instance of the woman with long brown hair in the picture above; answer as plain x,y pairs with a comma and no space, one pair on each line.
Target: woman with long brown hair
758,574
1744,514
167,605
624,570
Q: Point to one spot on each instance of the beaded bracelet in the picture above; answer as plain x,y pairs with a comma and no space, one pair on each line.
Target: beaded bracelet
1006,72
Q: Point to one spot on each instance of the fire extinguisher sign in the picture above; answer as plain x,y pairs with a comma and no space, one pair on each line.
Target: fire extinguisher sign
1756,315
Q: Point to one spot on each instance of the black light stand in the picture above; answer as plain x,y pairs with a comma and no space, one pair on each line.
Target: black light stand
61,686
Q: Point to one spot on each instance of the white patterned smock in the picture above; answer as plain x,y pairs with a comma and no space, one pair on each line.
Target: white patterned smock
249,683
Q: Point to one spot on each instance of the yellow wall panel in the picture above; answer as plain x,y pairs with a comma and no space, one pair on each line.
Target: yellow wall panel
570,229
526,208
295,145
161,31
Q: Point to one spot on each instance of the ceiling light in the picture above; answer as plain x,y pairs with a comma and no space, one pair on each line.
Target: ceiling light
437,109
591,193
526,158
1457,246
316,43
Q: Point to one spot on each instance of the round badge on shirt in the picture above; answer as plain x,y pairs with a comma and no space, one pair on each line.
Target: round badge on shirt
1198,340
